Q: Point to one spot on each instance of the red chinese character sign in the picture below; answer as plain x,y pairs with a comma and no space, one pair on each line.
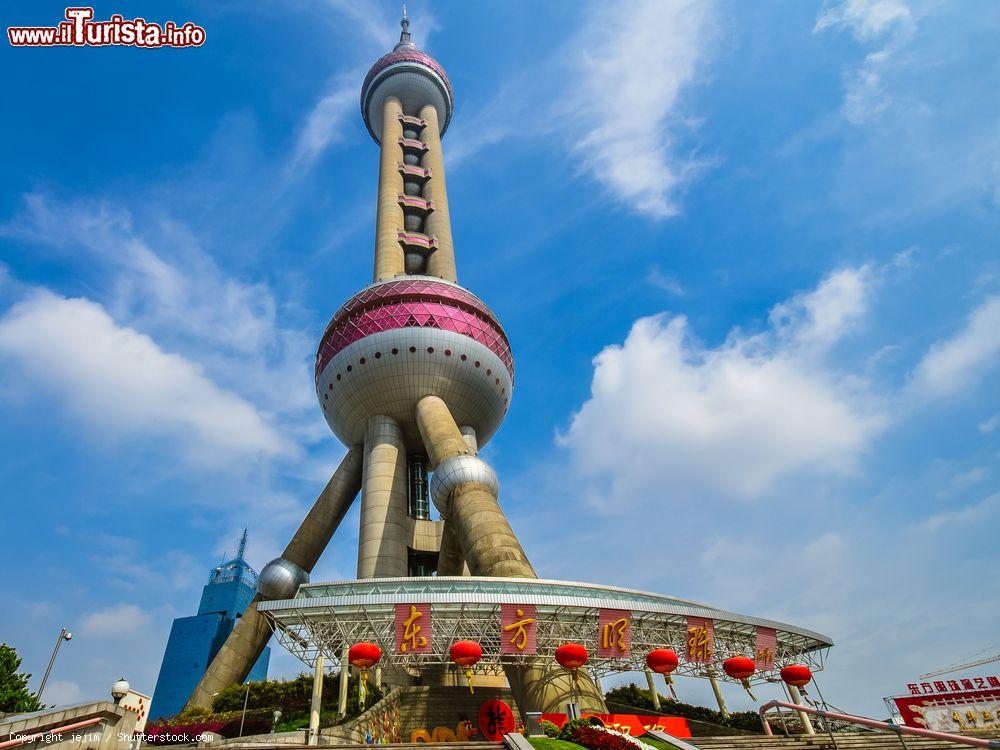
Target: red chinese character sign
495,720
767,642
614,634
698,645
518,626
413,629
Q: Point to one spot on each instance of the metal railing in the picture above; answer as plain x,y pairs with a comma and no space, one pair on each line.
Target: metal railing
885,726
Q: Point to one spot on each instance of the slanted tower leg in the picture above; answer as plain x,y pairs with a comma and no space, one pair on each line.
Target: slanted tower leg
491,549
244,645
382,540
450,559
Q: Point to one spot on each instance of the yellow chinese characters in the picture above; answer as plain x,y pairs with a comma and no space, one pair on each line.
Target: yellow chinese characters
520,638
412,639
613,635
699,643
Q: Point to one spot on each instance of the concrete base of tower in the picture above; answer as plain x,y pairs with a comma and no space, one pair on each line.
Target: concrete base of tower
548,688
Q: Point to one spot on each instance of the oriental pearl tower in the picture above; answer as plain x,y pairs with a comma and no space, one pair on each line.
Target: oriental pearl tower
414,374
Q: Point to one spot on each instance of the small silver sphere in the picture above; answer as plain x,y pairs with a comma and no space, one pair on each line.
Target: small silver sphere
280,579
457,470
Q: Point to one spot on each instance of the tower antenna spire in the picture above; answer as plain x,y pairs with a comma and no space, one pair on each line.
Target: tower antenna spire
243,545
404,22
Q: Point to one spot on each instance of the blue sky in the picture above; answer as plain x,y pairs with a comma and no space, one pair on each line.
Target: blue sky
746,255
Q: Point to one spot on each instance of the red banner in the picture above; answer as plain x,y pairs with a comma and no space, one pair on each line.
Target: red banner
614,634
413,628
767,642
951,711
633,725
518,626
699,646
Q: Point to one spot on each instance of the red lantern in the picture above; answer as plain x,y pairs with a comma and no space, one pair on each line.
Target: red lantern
572,656
663,661
363,656
796,675
466,654
740,668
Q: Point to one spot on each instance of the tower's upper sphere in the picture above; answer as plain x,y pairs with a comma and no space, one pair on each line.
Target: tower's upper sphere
413,77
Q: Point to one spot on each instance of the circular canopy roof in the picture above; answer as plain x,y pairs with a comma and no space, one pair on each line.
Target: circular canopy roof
324,616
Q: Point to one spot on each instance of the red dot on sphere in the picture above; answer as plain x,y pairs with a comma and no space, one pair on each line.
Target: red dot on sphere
447,352
662,660
430,349
477,363
362,360
395,351
739,667
364,655
465,653
797,675
572,655
350,367
378,355
464,357
338,378
412,349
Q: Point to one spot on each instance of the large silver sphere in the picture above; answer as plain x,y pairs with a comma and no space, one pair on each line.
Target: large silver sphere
457,470
280,579
398,341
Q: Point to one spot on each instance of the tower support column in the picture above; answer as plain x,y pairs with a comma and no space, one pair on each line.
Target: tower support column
382,540
389,261
248,638
803,716
653,695
718,696
317,701
441,262
490,548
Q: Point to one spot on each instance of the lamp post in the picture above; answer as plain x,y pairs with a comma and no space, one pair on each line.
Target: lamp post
119,690
277,718
64,635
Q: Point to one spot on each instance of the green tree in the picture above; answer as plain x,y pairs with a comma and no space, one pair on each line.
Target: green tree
15,698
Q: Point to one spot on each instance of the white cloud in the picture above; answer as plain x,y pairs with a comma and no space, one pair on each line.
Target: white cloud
122,382
632,62
736,417
988,426
117,620
663,281
978,513
325,123
865,96
867,19
964,359
158,279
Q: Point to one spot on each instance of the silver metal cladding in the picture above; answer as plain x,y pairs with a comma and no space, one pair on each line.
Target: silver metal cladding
458,470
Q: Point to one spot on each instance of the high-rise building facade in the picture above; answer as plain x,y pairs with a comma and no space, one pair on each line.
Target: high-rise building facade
194,641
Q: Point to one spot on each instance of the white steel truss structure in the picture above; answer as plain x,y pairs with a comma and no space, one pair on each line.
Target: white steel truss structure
325,616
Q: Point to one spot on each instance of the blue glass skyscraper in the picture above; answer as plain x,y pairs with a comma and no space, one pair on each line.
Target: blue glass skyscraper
194,641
